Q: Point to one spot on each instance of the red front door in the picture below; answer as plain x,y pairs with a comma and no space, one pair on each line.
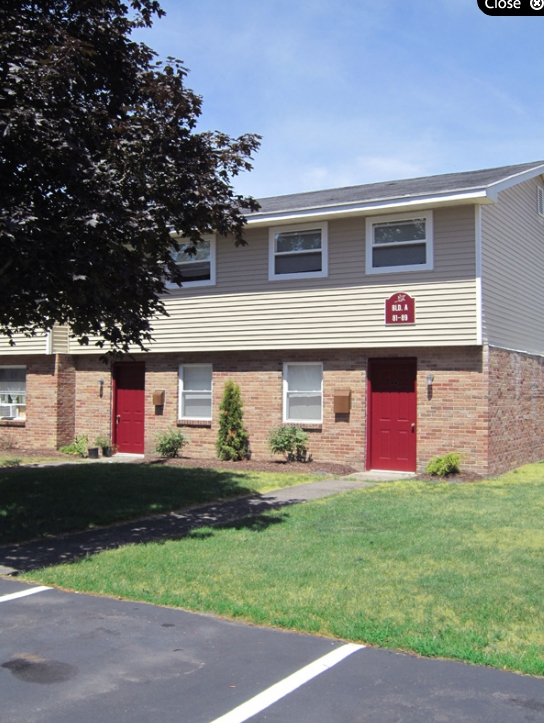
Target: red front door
129,407
392,414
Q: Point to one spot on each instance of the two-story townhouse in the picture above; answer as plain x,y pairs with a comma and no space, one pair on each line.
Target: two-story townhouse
393,321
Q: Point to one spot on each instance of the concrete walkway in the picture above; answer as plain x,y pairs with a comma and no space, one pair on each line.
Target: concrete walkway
174,525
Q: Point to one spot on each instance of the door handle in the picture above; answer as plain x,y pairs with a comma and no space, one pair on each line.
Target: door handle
413,427
117,419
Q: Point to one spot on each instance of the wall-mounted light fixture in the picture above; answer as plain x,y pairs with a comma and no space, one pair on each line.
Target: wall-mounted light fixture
101,387
430,380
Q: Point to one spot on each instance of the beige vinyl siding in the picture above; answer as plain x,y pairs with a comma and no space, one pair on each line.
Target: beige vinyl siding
247,311
513,270
244,310
59,343
245,269
330,318
24,345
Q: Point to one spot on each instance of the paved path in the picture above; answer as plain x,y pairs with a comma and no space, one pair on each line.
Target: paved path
173,525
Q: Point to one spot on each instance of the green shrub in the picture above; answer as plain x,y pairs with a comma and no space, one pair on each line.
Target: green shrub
290,440
232,439
445,465
79,446
170,443
102,441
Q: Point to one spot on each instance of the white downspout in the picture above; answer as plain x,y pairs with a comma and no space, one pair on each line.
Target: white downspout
479,305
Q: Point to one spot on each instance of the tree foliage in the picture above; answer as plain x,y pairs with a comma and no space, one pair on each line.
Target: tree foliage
232,439
99,160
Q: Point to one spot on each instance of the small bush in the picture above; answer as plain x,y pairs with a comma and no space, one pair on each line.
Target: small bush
79,446
290,440
170,443
232,439
102,441
8,442
445,465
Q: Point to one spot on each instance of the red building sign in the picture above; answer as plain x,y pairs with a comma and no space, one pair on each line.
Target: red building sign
400,309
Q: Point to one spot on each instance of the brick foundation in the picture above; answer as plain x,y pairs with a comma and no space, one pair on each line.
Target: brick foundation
487,404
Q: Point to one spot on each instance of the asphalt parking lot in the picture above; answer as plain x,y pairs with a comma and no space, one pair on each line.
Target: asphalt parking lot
72,658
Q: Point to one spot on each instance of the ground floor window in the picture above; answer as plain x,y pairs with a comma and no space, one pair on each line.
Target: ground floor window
195,391
12,392
303,392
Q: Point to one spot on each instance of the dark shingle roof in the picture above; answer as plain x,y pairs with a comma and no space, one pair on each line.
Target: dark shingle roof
391,190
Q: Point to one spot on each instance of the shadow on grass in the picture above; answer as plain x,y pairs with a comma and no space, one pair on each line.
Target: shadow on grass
254,523
51,503
36,502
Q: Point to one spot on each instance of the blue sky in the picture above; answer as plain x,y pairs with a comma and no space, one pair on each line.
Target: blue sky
362,90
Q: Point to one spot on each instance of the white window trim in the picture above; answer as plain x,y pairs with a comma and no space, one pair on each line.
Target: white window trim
323,227
285,390
180,392
429,242
17,418
190,284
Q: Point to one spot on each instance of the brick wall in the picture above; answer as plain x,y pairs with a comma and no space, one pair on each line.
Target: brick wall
516,384
474,391
66,399
93,407
46,426
452,417
453,413
260,374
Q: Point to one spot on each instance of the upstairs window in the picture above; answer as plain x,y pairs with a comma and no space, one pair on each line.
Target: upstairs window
540,200
298,252
303,392
399,243
197,269
195,391
12,393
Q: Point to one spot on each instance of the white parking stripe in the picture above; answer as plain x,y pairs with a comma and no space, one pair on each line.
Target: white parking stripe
23,593
287,685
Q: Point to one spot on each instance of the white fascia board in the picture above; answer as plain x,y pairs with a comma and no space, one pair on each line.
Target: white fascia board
495,188
323,213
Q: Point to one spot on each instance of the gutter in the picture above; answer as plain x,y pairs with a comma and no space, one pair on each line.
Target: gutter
323,213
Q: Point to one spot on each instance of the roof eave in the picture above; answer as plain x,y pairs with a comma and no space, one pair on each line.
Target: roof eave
324,213
495,188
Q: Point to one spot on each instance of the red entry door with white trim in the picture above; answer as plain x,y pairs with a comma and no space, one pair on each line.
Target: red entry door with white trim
129,407
392,414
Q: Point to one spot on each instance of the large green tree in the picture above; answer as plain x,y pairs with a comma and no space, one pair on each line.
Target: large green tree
100,159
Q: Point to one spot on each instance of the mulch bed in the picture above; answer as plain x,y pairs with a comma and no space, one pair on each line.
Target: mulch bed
461,477
250,465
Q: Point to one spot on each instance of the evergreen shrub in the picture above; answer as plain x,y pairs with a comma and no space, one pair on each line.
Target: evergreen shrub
232,439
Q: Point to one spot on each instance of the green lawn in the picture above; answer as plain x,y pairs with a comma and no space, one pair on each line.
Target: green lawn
449,570
14,459
51,500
